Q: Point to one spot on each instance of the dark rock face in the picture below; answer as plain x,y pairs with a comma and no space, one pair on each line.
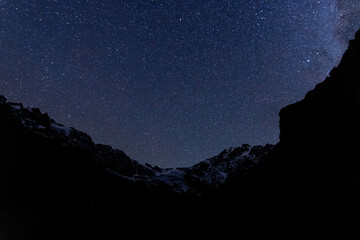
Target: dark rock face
315,169
41,184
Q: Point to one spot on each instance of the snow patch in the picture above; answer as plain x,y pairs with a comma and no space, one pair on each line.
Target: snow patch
16,107
60,128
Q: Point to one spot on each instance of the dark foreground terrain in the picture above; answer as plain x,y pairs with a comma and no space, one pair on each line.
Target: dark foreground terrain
55,183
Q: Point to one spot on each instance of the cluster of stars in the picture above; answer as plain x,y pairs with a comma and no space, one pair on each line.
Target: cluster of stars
170,82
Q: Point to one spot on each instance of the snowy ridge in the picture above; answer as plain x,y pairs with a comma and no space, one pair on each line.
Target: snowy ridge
206,175
41,124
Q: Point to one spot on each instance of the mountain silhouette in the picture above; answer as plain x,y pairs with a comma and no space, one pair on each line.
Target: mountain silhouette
56,183
314,171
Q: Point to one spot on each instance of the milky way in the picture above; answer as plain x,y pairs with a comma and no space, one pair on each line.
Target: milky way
170,82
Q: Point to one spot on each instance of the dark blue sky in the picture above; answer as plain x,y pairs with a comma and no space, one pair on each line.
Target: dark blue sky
170,82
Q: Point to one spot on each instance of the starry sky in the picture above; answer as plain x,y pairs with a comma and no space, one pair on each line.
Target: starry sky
170,82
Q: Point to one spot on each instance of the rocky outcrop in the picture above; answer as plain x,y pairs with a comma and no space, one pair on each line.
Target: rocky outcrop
315,168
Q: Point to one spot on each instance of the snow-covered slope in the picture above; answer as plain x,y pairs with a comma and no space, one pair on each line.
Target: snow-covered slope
206,175
41,124
216,170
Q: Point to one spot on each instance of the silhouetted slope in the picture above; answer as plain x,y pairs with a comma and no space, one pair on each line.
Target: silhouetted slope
43,180
315,168
53,184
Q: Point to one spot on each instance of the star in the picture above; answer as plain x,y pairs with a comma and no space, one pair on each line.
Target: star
170,82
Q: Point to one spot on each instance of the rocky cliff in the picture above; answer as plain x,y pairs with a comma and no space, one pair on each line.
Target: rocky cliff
315,168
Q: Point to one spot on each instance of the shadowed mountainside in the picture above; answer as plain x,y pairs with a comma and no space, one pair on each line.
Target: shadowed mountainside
313,173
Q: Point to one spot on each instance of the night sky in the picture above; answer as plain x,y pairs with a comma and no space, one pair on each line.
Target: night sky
170,82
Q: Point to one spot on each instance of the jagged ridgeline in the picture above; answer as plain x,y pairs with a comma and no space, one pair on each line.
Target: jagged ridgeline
57,180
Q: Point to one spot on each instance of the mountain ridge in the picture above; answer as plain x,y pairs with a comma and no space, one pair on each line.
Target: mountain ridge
209,174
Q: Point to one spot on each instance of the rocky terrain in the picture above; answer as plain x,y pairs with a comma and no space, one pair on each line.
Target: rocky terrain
314,171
